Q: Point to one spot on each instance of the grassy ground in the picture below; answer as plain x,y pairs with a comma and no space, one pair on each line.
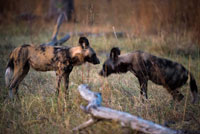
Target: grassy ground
37,110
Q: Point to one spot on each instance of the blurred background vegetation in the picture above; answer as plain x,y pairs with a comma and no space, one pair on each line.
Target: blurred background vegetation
136,16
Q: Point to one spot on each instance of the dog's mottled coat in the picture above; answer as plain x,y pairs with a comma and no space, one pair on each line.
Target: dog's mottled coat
145,66
47,58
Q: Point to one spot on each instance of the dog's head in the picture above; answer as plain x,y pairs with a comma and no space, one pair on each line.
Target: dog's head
109,64
84,52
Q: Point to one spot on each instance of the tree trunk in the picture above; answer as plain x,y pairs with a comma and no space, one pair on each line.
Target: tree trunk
58,6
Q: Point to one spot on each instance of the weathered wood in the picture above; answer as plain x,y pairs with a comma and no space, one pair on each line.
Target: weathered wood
85,124
57,26
94,98
54,41
131,121
98,112
63,40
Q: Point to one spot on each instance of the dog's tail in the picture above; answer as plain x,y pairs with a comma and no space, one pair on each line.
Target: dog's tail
9,72
193,88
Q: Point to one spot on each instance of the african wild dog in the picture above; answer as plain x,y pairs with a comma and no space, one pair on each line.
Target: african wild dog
47,58
146,67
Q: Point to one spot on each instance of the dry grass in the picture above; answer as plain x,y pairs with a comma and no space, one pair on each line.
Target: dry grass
39,111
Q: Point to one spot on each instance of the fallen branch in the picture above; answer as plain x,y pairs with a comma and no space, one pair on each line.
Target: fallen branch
99,112
85,124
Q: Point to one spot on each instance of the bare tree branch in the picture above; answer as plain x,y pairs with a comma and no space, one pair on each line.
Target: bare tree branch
57,27
54,41
85,124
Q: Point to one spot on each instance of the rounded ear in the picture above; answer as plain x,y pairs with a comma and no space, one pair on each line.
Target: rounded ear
83,41
114,53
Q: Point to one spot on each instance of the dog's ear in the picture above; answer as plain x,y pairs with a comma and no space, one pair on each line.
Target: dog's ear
83,42
114,53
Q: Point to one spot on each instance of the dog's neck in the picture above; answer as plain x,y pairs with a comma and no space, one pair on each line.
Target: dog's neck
77,55
123,64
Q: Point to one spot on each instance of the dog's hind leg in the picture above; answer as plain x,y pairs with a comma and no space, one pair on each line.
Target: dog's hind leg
175,94
18,76
15,91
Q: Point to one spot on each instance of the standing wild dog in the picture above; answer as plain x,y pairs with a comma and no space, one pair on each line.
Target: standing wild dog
47,58
145,66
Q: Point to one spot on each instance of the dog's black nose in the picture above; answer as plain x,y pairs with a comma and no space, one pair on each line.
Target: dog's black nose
101,73
97,61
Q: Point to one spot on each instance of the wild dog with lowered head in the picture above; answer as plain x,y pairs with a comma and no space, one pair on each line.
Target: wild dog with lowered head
47,58
145,66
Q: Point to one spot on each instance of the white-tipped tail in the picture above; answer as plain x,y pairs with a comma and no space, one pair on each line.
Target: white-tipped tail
8,76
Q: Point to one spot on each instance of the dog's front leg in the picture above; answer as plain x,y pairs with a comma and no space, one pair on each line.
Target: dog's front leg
66,85
58,82
143,87
66,80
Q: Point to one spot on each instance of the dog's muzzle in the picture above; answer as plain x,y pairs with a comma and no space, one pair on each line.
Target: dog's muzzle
96,61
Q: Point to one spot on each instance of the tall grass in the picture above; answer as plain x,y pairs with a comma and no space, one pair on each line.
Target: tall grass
38,110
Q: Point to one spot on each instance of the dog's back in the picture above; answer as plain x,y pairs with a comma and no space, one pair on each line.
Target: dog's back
164,72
